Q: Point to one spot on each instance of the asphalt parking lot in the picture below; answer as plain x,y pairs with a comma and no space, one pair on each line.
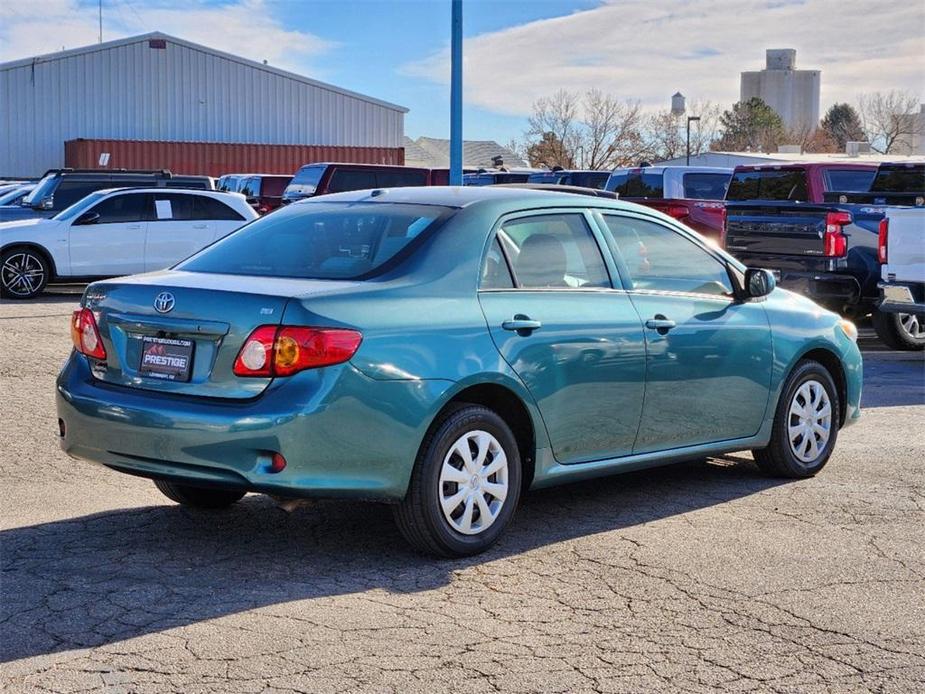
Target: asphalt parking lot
693,577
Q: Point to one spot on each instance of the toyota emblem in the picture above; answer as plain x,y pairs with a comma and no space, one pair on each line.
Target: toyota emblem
164,302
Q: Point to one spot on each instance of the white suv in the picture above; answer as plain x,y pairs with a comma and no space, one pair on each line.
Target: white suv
115,232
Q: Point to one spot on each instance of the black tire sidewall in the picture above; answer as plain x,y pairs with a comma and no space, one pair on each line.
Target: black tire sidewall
805,371
460,422
889,330
45,267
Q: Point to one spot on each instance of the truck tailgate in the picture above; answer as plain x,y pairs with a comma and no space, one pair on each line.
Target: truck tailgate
769,228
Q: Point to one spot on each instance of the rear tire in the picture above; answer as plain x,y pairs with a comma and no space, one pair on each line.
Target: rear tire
198,497
24,272
905,331
465,485
805,424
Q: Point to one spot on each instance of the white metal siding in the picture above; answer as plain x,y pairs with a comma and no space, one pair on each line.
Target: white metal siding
131,91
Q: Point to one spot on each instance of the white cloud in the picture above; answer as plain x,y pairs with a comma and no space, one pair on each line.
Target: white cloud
645,50
242,27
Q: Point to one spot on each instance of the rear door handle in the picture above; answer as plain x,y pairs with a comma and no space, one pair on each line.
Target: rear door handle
660,324
521,324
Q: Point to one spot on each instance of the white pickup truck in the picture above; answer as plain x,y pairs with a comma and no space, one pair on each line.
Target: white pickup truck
900,322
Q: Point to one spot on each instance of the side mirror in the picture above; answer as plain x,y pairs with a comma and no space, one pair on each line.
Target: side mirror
759,282
45,204
253,202
87,218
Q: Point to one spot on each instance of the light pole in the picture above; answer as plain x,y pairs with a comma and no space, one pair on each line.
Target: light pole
689,119
456,96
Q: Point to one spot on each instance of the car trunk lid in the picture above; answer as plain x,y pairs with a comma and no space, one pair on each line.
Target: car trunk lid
199,317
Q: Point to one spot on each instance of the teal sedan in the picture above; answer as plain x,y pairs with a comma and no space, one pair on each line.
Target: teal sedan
444,350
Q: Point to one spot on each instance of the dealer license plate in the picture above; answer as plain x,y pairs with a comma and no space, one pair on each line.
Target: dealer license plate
166,358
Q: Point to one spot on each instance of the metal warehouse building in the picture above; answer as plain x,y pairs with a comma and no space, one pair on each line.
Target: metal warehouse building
160,88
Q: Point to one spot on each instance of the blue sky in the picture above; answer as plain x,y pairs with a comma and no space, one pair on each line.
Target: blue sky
516,50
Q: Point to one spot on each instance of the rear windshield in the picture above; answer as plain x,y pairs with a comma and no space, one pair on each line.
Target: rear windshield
587,179
308,178
633,184
904,179
706,186
768,185
319,241
848,180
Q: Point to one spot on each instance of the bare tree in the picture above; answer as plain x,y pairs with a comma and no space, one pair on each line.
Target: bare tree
666,133
889,119
590,131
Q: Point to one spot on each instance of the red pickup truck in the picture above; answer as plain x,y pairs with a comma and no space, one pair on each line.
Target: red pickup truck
691,194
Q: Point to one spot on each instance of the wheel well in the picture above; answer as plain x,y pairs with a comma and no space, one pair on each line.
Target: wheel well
833,365
52,271
511,409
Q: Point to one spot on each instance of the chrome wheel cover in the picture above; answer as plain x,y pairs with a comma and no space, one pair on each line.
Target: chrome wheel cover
809,422
473,482
22,274
910,324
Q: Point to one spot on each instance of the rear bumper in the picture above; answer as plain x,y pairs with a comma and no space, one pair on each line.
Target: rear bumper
342,433
902,297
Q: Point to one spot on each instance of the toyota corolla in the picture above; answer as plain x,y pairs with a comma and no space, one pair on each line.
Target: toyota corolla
445,349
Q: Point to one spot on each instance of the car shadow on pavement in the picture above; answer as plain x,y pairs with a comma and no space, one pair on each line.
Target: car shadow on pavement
108,577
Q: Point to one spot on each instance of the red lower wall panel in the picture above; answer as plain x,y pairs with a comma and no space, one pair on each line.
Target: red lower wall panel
217,158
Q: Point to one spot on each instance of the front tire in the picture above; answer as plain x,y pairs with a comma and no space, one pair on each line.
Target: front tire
198,497
805,424
905,331
24,273
465,485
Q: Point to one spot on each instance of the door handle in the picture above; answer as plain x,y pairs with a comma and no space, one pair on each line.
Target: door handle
522,325
660,324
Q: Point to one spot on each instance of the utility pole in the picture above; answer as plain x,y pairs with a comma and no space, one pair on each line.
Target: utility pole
456,96
101,20
689,119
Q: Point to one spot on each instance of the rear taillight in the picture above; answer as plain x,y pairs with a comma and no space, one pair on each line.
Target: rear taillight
883,234
835,242
284,350
677,211
85,334
723,230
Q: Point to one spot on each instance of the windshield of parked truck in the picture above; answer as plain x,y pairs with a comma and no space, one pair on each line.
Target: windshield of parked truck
774,184
42,190
319,241
899,179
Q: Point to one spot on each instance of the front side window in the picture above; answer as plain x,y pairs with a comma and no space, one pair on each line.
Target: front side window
320,241
122,208
658,258
343,180
553,251
70,191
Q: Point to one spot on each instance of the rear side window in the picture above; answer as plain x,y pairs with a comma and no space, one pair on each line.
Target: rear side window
123,208
399,179
495,272
768,185
553,251
848,180
343,180
210,208
637,185
705,186
586,179
170,207
321,241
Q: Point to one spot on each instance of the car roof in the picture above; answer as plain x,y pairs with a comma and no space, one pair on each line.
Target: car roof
465,196
685,169
161,190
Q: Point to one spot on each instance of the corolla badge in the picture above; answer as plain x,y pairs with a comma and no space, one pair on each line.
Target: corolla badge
164,302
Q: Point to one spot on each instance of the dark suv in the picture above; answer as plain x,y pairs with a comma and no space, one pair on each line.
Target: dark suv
61,188
318,179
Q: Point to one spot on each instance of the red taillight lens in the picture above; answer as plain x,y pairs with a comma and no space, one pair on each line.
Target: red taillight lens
85,335
835,242
883,234
284,350
677,211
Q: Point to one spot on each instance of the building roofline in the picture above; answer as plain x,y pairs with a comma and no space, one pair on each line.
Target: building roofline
60,55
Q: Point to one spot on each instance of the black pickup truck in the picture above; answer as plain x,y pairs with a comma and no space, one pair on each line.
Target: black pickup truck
820,242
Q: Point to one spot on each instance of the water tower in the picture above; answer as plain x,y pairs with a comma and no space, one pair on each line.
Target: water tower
678,106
